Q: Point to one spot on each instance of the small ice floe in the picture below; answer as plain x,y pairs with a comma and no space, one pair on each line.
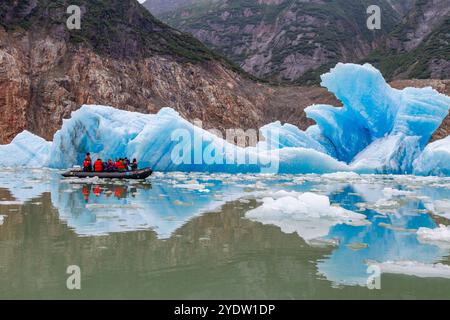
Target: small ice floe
193,185
324,242
94,206
355,246
439,236
384,206
342,176
439,207
414,268
2,219
390,193
394,228
309,215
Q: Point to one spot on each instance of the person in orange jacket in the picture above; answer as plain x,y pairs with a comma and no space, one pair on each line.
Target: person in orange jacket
98,165
120,165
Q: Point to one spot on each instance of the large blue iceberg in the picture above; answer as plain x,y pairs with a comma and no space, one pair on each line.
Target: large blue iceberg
377,130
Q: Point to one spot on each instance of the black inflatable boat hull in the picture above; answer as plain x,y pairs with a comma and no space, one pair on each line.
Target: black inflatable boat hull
139,174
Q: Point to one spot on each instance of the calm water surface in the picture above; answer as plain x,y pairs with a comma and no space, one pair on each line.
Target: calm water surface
186,236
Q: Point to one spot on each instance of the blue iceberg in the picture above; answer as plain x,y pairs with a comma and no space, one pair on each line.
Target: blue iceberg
373,112
26,150
378,129
167,142
435,159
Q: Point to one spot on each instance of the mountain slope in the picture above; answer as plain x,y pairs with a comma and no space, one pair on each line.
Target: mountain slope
420,46
282,40
123,57
161,6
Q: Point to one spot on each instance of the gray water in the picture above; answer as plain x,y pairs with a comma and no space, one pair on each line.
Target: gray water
186,236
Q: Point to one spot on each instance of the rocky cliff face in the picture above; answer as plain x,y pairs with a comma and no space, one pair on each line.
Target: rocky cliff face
161,6
47,71
295,41
284,40
419,47
403,7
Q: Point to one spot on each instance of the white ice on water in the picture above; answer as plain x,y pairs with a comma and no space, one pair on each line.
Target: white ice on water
415,268
378,130
439,236
309,215
26,149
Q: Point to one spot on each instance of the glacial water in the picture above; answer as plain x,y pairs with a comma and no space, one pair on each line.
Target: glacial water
205,236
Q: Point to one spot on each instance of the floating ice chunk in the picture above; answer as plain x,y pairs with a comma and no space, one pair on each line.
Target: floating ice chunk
192,185
344,176
103,131
435,159
392,154
25,150
439,236
373,110
2,219
309,215
390,192
167,142
439,207
415,268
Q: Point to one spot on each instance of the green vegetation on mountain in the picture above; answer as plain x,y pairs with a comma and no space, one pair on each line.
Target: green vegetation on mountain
273,39
429,59
115,28
296,41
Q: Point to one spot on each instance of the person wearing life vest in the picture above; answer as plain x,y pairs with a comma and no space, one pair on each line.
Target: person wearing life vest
134,165
110,166
87,163
126,162
98,165
119,165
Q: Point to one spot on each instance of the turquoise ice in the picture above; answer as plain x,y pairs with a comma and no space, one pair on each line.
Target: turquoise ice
378,129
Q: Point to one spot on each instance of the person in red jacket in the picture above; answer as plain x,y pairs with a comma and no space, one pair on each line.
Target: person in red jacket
98,165
119,165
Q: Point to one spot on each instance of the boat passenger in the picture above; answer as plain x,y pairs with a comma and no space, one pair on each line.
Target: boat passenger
134,165
110,166
98,165
120,166
126,162
87,164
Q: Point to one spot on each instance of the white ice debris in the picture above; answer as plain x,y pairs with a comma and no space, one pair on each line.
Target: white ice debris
341,176
439,236
439,207
415,268
308,214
